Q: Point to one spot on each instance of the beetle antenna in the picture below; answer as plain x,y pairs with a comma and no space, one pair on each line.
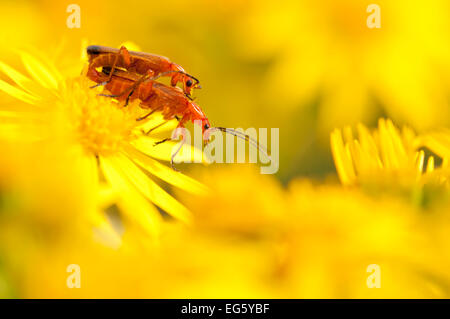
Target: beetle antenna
244,137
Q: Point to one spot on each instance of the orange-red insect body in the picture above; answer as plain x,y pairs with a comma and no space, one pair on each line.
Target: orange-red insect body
145,64
154,96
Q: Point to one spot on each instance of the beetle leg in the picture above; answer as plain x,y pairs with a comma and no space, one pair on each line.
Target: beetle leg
148,114
98,84
162,141
125,55
154,128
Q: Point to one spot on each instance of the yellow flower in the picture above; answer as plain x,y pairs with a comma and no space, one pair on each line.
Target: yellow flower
324,51
100,134
336,233
383,153
438,141
229,199
309,241
251,238
390,160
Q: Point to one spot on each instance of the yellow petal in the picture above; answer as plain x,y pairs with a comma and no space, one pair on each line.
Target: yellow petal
134,205
430,164
420,159
165,173
20,79
150,189
437,142
342,158
39,71
369,147
388,153
397,142
17,93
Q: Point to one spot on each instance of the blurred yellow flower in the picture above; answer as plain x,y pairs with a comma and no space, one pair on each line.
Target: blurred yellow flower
438,141
228,200
325,50
336,233
100,133
253,239
384,152
388,160
309,241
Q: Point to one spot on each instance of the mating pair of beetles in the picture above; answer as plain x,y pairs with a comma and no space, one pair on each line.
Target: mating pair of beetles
130,75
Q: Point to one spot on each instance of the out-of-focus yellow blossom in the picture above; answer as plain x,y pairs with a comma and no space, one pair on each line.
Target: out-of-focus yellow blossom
100,134
321,238
438,141
229,207
313,242
392,161
386,157
46,196
338,232
325,49
384,153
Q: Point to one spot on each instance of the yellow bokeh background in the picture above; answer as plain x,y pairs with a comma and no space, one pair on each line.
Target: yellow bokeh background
305,67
